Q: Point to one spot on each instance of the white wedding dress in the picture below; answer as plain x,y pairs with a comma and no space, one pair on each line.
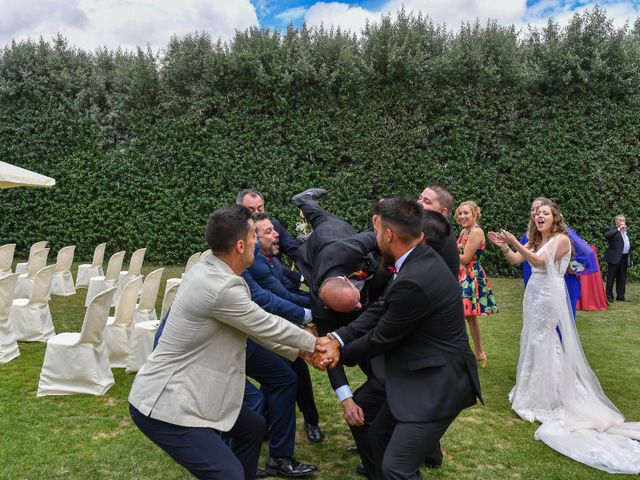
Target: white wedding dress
556,386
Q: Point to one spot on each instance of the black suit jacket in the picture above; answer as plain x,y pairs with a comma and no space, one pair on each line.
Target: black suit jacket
450,254
335,250
613,254
430,371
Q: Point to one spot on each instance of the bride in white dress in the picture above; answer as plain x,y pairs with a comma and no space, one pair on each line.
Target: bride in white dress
554,382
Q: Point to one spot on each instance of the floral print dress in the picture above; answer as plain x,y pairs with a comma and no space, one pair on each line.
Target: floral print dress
477,296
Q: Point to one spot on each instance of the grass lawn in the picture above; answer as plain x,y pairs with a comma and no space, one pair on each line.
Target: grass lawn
88,437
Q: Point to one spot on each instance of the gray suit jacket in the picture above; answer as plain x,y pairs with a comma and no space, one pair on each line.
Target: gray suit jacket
195,377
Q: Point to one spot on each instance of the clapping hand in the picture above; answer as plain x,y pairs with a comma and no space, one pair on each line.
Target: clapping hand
497,240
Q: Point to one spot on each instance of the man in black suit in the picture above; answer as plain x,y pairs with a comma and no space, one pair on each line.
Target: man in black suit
618,257
419,328
438,198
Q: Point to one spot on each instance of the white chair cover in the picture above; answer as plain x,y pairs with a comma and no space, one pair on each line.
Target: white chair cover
117,331
167,301
205,254
171,282
22,266
93,269
31,318
105,282
193,259
141,344
79,362
62,280
6,258
37,261
135,269
146,309
143,334
8,344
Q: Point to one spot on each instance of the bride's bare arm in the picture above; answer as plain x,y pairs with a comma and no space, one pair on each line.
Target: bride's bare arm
535,259
514,258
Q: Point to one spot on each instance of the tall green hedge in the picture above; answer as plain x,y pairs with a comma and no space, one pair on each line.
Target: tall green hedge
144,146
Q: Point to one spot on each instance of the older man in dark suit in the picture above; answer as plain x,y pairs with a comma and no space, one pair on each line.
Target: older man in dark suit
618,257
419,328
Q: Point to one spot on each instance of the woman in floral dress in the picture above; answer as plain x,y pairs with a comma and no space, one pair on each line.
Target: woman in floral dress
477,297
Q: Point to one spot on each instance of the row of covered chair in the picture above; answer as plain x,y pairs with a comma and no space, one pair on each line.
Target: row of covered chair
126,337
63,279
82,362
62,282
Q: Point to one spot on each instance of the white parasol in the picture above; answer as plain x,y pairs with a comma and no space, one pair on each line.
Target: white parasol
12,176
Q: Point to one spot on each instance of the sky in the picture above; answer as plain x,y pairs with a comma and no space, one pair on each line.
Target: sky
90,24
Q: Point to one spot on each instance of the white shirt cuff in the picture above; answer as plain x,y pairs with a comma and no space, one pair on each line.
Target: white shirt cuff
337,337
307,316
344,392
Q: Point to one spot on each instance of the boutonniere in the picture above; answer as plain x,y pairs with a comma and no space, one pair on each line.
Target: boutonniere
358,275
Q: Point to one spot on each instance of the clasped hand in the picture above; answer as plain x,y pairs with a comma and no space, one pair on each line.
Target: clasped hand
326,354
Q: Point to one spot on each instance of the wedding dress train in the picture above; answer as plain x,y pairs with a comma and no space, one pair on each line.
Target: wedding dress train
556,386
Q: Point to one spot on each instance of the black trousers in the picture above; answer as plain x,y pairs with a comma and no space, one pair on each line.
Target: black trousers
617,272
370,397
398,449
203,452
279,385
304,395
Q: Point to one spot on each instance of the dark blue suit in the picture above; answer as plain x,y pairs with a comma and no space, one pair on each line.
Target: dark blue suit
269,274
272,303
288,246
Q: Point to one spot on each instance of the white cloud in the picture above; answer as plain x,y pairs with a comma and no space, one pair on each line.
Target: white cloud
126,23
454,12
291,14
338,14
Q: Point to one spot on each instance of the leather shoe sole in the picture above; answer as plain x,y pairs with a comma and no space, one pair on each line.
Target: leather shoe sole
309,192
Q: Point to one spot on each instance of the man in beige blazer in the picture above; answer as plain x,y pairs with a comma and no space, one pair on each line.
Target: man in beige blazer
189,392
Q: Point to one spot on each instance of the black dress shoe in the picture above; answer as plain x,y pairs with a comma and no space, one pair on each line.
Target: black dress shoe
309,192
260,473
360,469
313,432
610,299
288,467
621,299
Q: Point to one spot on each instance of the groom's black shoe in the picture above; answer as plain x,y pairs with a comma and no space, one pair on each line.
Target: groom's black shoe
288,467
313,432
360,469
310,192
610,299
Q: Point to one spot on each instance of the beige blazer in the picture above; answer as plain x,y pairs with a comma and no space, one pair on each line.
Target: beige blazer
195,377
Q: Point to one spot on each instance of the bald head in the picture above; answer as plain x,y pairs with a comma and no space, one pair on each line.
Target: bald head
339,294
